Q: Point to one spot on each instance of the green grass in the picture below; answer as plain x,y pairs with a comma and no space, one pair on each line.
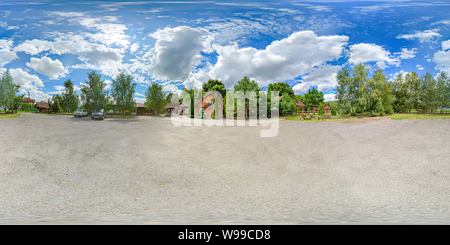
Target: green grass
9,115
25,111
402,116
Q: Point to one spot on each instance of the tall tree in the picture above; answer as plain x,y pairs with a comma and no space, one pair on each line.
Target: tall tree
287,105
428,93
7,90
312,98
245,85
281,87
69,97
215,85
93,93
122,91
359,87
155,99
443,95
342,91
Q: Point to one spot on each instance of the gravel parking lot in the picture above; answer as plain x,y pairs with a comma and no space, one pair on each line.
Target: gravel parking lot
66,170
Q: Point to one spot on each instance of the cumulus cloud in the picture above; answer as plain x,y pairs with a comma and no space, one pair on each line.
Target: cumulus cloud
28,83
407,54
368,52
329,97
171,88
446,45
423,36
281,60
442,60
177,51
6,54
53,69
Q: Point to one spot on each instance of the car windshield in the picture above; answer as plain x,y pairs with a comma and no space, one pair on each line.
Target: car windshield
101,110
80,110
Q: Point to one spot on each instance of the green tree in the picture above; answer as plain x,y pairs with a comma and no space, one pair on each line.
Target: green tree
321,110
245,85
312,98
155,99
359,87
342,91
69,97
56,103
281,87
428,95
287,105
122,91
7,90
215,85
93,93
443,95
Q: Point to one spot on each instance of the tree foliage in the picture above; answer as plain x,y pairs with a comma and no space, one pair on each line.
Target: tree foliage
122,91
215,85
93,93
281,87
8,88
155,98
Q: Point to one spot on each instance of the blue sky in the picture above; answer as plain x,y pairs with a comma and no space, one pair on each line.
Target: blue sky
185,43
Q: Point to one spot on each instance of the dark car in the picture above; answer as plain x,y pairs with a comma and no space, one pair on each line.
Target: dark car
98,113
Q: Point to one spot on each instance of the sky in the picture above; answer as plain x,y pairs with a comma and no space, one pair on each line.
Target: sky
185,43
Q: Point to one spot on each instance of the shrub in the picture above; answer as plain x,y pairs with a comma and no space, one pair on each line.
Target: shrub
321,110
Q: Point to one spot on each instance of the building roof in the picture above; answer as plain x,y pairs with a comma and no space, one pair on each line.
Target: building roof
28,100
173,105
326,107
139,105
299,103
42,105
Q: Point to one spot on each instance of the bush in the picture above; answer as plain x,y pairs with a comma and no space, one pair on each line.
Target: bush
321,110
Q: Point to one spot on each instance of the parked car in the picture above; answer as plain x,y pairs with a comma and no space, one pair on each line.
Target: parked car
98,113
80,113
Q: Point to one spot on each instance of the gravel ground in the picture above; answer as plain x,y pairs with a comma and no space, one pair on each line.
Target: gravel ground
58,169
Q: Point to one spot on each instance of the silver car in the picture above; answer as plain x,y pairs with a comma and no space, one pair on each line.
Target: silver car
98,113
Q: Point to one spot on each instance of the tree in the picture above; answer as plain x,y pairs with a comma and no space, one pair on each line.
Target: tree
215,85
7,90
428,93
312,98
56,103
321,110
155,99
93,93
122,91
287,105
342,91
281,87
359,87
443,95
245,85
69,97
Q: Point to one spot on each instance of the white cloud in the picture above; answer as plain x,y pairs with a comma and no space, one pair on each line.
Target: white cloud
301,87
368,52
171,88
419,67
6,54
423,36
53,69
25,80
34,46
329,97
177,51
324,78
442,60
134,47
407,54
281,60
196,79
446,45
